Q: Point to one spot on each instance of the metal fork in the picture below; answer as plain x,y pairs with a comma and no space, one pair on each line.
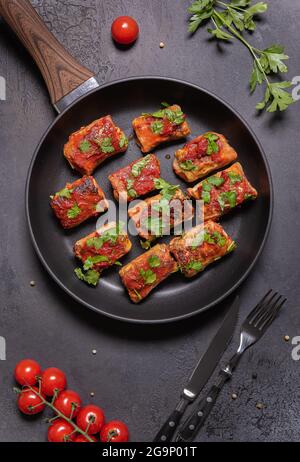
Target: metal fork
253,328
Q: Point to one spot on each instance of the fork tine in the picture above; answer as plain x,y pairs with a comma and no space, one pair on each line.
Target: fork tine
252,314
272,316
261,307
269,308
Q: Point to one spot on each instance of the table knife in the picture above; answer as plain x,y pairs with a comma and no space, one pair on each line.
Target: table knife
201,373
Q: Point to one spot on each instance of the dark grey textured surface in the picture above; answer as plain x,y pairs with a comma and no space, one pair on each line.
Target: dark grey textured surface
138,371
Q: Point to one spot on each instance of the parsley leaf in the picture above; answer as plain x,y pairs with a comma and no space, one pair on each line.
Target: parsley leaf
137,168
146,245
167,190
91,261
123,141
148,276
227,198
216,180
194,265
205,196
90,277
85,146
106,145
154,261
175,116
111,235
230,18
187,165
212,146
234,177
157,127
74,211
65,193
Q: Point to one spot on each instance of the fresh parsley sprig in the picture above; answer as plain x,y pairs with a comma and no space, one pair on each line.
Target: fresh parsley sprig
230,19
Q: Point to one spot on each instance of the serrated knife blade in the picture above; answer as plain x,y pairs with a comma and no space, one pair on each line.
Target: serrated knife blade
212,356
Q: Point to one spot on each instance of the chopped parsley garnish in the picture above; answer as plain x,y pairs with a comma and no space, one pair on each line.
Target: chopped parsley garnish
74,211
146,245
106,145
130,190
157,127
137,168
231,247
219,238
137,294
148,276
175,116
216,180
187,165
65,193
118,263
234,177
91,261
123,141
164,104
205,196
227,198
167,190
212,146
85,146
154,261
111,235
90,277
194,265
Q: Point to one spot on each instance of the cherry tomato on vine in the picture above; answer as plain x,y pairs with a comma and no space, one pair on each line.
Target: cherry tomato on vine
29,402
61,431
90,419
125,30
53,379
68,403
114,432
83,439
27,372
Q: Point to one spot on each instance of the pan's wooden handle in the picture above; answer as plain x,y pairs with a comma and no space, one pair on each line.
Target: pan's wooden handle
61,72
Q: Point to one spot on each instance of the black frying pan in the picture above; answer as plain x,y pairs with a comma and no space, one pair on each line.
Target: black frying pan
68,83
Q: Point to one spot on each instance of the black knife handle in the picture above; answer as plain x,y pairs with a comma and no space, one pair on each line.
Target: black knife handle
167,431
196,420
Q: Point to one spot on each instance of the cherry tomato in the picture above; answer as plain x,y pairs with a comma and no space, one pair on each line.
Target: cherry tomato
53,379
90,419
114,432
29,402
68,403
27,371
61,431
125,30
83,439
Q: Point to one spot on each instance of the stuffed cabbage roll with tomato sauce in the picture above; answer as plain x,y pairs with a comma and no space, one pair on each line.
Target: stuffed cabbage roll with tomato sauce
100,250
157,215
143,274
91,145
223,192
201,246
78,201
164,125
137,179
203,155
